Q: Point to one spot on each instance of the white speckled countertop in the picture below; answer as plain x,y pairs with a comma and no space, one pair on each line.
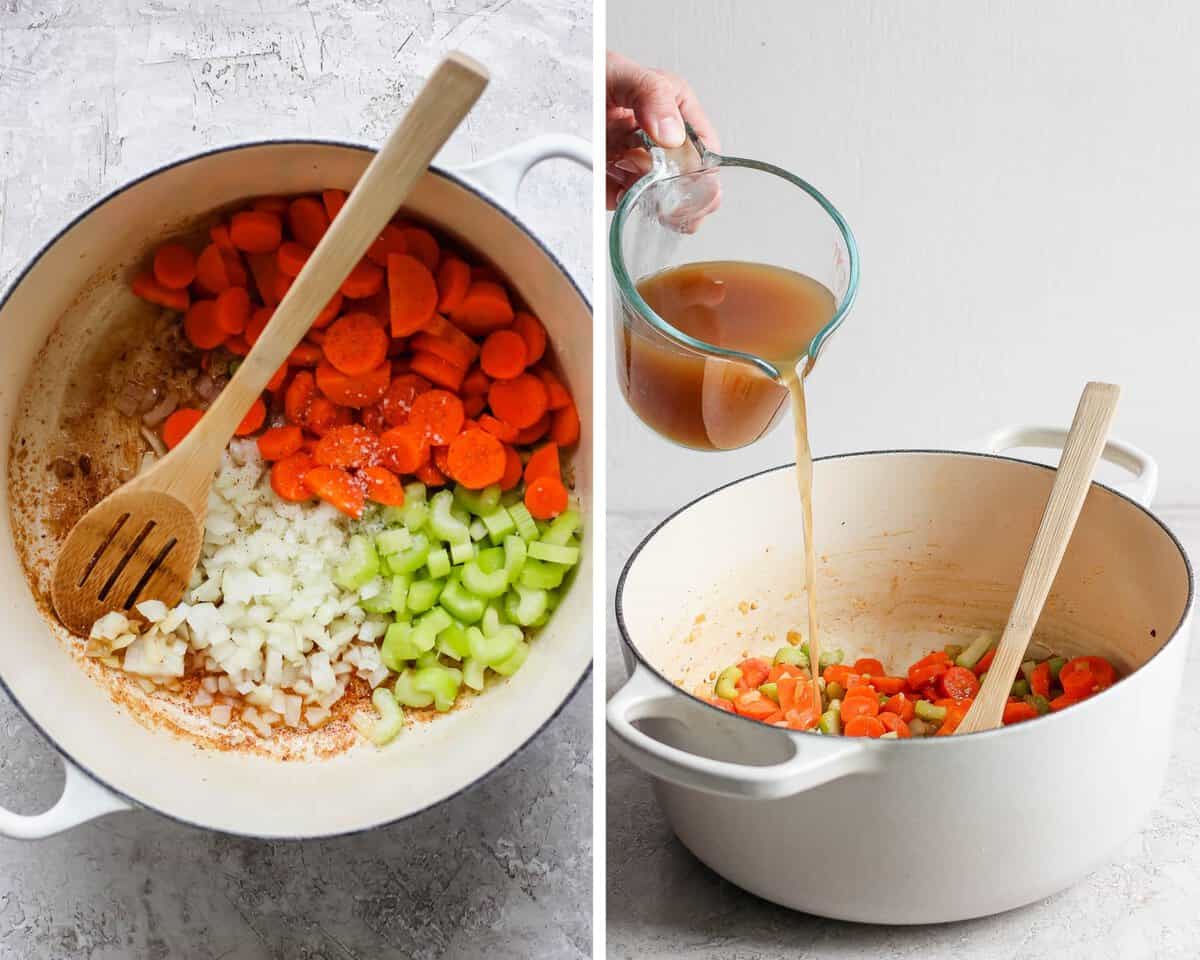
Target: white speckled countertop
95,92
663,903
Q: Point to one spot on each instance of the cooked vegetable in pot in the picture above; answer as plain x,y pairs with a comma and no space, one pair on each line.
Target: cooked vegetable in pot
930,699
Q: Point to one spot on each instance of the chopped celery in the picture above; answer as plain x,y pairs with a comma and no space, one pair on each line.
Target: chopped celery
438,562
770,691
453,642
567,556
499,524
477,530
412,559
512,663
391,717
952,650
491,559
1056,664
525,604
441,683
829,657
415,511
423,594
428,626
565,524
1027,669
834,690
831,722
545,576
1039,703
976,649
460,553
929,711
792,655
461,604
478,502
393,541
515,553
727,683
398,646
428,659
360,565
484,584
442,522
492,620
375,596
398,593
473,673
405,692
1020,688
526,527
494,649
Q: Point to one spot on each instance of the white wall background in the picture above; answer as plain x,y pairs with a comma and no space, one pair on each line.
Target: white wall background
1023,180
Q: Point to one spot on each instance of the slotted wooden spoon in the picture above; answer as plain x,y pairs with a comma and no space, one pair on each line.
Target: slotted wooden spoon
1073,479
143,540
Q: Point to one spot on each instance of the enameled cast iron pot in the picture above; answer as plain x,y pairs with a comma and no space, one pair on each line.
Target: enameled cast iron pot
113,761
916,548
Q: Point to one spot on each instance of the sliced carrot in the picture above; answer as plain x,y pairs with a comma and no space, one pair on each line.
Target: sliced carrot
869,665
453,279
543,462
237,346
412,292
958,683
255,417
233,310
546,497
357,391
308,220
504,355
365,280
902,706
430,475
530,329
305,355
803,719
329,314
287,477
890,686
298,396
390,240
535,433
984,662
333,201
1039,680
179,424
145,286
235,270
859,707
212,274
474,404
1066,700
894,724
839,673
201,327
174,266
1018,711
927,670
382,486
754,705
485,308
498,428
291,257
219,234
438,415
356,343
864,726
256,231
955,711
755,671
476,459
257,324
269,204
349,446
437,370
422,245
520,402
1083,676
476,381
557,395
512,469
396,404
403,449
279,443
321,416
454,347
337,487
278,377
564,428
266,277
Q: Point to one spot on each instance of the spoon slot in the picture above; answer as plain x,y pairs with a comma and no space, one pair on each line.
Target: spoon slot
155,564
129,552
116,528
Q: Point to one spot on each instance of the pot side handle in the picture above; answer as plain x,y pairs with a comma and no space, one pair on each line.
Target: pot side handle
645,696
501,175
82,799
1143,466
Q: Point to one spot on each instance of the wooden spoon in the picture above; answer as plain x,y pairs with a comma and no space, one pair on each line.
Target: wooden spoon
143,540
1073,479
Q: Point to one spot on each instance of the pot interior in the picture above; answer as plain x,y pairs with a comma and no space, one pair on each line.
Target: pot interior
74,300
914,550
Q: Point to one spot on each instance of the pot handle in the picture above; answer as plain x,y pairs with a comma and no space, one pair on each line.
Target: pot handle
501,175
644,696
82,799
1143,466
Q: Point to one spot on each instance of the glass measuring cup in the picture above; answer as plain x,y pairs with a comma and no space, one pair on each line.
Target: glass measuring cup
697,206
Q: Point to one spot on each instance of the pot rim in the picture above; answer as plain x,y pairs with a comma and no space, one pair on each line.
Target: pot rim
870,743
95,205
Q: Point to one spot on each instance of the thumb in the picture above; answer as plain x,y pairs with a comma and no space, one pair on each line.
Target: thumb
650,94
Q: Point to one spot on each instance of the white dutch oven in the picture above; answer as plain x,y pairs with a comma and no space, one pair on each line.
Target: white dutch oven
114,762
914,546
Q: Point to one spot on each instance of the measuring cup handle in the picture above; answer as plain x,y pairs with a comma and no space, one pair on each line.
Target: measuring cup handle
1143,466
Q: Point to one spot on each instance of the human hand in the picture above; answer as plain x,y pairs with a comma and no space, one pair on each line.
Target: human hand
650,100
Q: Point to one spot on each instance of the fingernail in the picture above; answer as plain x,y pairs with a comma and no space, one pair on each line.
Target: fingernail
668,131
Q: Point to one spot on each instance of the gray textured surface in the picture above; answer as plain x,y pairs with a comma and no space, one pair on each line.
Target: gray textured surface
94,93
663,903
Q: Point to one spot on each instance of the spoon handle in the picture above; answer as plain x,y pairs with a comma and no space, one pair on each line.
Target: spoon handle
438,109
1085,441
